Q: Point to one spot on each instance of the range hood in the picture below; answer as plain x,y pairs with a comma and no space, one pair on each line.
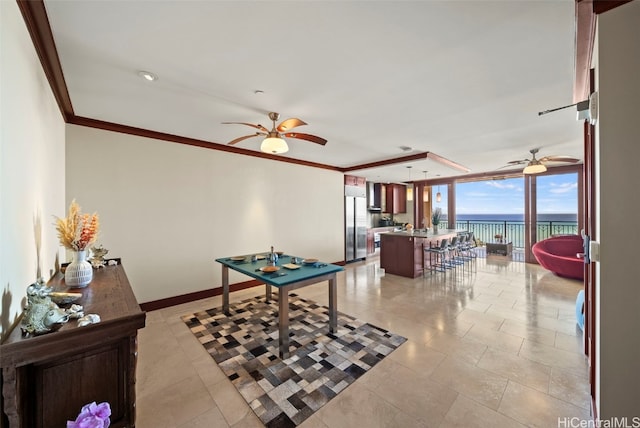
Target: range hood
372,199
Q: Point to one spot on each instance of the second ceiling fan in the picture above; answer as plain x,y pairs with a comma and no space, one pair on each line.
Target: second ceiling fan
536,166
274,142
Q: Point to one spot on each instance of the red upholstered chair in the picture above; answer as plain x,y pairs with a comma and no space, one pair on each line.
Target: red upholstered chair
561,255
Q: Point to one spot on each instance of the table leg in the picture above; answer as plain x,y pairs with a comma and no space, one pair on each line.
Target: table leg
268,292
333,305
283,322
225,289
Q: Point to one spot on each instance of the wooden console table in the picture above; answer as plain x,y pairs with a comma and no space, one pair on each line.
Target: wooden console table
47,379
500,248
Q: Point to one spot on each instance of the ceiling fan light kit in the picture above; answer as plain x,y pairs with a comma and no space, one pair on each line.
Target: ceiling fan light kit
534,168
274,145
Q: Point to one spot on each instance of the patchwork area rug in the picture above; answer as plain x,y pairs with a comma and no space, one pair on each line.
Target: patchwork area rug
283,393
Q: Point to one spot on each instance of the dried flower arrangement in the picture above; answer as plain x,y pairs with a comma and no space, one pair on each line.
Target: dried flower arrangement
77,231
92,415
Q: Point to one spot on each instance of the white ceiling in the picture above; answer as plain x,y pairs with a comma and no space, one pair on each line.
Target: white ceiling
462,79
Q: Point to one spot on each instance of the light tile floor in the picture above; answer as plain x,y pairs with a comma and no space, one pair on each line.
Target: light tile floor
497,347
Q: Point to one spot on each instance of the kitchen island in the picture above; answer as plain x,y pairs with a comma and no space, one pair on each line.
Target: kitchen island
402,253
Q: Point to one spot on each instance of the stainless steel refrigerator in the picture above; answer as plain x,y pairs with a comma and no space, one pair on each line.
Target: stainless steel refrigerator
355,221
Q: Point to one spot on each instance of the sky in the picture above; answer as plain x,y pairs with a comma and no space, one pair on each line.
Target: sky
556,194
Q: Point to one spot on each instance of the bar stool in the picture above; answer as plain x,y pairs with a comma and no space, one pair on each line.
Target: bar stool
461,247
454,253
467,247
440,255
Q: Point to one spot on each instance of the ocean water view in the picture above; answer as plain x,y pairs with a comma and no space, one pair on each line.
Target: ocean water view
511,227
569,217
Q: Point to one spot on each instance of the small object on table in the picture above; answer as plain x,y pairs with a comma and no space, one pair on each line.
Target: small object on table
64,298
97,260
75,311
88,319
291,266
273,258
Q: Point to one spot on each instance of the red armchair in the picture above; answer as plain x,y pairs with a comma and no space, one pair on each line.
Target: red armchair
560,255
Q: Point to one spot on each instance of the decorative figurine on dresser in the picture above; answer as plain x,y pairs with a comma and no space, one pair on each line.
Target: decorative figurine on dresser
41,315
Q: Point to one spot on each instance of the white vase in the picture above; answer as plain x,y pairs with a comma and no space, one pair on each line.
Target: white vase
79,273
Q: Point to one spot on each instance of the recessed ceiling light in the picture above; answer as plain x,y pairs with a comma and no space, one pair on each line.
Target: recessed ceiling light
147,75
405,148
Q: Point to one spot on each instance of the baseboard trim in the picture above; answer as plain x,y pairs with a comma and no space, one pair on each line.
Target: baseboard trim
197,295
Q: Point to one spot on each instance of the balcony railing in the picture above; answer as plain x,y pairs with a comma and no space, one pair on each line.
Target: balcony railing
513,231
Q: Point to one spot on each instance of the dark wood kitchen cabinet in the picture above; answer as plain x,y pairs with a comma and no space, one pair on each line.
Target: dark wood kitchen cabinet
396,198
47,379
352,180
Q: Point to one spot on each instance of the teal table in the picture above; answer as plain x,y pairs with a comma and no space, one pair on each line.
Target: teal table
285,280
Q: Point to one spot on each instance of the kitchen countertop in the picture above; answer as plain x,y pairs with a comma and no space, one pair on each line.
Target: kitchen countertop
385,228
422,234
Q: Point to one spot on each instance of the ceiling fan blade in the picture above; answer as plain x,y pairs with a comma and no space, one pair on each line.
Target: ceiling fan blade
288,124
509,165
307,137
567,159
260,127
518,162
237,140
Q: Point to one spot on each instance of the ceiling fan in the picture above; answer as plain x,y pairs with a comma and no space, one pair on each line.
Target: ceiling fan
273,142
536,166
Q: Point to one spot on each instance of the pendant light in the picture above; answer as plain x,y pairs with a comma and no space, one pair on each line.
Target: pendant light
426,191
410,187
438,195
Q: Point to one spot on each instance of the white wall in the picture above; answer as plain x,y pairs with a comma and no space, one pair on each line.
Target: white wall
170,209
618,142
31,164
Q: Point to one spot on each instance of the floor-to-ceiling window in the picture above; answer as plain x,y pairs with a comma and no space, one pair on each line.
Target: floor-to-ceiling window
492,208
498,208
557,205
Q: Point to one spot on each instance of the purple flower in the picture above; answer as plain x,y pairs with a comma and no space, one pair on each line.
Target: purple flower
92,415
